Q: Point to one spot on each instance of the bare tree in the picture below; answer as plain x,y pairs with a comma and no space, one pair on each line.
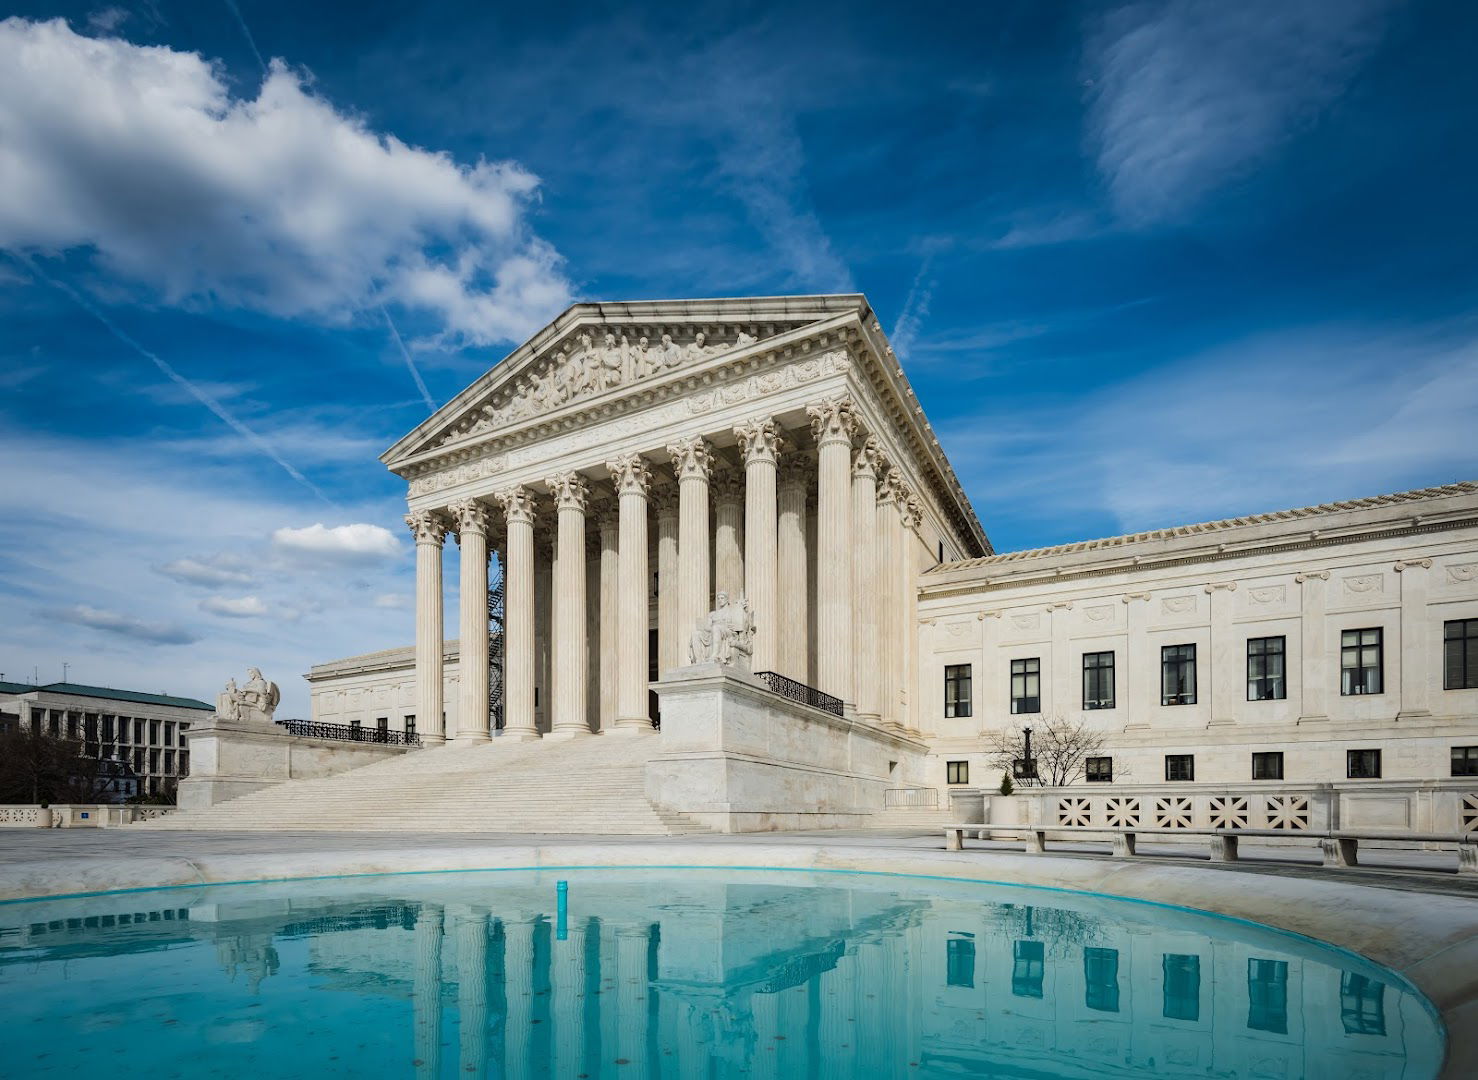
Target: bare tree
1059,750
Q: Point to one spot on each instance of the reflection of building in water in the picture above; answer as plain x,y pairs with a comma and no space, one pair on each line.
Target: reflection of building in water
251,956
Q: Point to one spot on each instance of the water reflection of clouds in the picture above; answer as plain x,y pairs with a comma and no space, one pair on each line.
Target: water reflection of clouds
690,973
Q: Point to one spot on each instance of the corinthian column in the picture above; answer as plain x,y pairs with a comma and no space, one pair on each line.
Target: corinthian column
868,677
833,423
429,529
472,705
571,494
633,479
692,461
889,639
759,441
518,616
791,493
728,532
610,633
664,507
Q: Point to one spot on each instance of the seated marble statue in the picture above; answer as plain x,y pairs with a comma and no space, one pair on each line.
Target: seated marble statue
725,635
257,700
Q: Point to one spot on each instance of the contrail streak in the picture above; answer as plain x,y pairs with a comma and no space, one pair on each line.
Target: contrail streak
247,31
915,307
179,380
409,363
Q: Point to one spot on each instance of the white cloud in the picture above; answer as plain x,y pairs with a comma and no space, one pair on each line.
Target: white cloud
279,203
240,607
211,572
129,626
393,601
1189,94
341,542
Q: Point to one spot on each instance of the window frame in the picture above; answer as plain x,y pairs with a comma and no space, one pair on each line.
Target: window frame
1276,686
959,961
1268,756
958,678
1098,672
957,768
1362,1004
1031,668
1267,995
1101,979
1351,759
1469,758
1189,760
1089,765
1349,687
1467,642
1181,985
1028,968
1183,659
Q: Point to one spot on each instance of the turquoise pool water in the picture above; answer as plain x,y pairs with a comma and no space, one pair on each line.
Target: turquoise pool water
682,973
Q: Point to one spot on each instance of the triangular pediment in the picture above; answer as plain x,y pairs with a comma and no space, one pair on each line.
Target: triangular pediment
594,354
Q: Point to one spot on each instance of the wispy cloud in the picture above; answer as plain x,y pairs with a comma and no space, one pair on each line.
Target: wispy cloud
342,542
128,626
1188,94
234,607
210,573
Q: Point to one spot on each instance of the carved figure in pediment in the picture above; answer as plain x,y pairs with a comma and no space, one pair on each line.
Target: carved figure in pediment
697,350
744,339
672,356
612,361
641,359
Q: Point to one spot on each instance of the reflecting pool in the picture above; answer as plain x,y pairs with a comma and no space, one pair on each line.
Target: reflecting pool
667,973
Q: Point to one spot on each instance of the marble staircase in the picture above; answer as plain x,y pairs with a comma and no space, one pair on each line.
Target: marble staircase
594,785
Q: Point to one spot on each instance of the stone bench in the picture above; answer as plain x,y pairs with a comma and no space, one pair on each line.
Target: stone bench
1339,848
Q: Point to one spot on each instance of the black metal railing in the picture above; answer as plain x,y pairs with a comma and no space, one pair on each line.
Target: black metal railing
799,691
350,733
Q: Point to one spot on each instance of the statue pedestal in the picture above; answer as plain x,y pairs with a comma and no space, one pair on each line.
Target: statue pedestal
229,758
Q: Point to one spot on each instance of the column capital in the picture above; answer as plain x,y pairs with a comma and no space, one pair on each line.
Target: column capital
868,460
470,516
759,439
796,469
571,491
833,420
518,505
1411,564
663,496
890,481
427,526
912,511
692,458
727,486
631,474
606,512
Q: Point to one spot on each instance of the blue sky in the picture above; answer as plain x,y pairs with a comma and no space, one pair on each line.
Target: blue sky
1148,263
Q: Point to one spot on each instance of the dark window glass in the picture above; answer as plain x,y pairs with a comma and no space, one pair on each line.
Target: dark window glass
1178,675
1098,770
1180,767
382,723
1465,761
410,725
1268,766
154,732
1182,986
1460,655
959,961
957,772
1027,963
107,727
957,690
1098,680
1267,996
1362,1004
1362,764
1101,979
1360,662
1265,656
1026,686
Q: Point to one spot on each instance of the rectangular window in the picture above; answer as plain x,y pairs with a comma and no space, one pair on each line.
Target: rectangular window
153,732
1098,680
959,961
1182,986
169,733
957,772
169,762
957,690
1362,1004
1360,662
1465,761
1460,654
410,726
1178,675
1101,979
153,760
1265,668
1267,996
382,724
1026,686
355,727
1027,963
107,727
1180,767
1362,764
1268,766
1098,770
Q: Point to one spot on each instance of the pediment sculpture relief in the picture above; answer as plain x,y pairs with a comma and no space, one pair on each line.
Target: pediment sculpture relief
598,361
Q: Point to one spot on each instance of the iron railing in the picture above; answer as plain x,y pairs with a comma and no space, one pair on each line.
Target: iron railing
799,691
350,733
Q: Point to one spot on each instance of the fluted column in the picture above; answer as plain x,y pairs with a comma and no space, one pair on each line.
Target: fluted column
792,482
518,616
669,633
472,991
610,632
571,494
569,1003
728,531
472,667
692,461
633,479
518,978
429,528
868,676
833,423
889,637
759,441
426,991
631,997
911,512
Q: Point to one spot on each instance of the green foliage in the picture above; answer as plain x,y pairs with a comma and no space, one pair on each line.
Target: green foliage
1007,788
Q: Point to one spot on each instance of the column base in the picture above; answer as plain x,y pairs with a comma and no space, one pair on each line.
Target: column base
565,734
520,736
639,726
470,738
432,740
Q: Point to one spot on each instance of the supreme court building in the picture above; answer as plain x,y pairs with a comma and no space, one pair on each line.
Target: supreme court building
632,461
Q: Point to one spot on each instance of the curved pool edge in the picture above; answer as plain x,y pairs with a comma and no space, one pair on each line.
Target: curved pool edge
1430,940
